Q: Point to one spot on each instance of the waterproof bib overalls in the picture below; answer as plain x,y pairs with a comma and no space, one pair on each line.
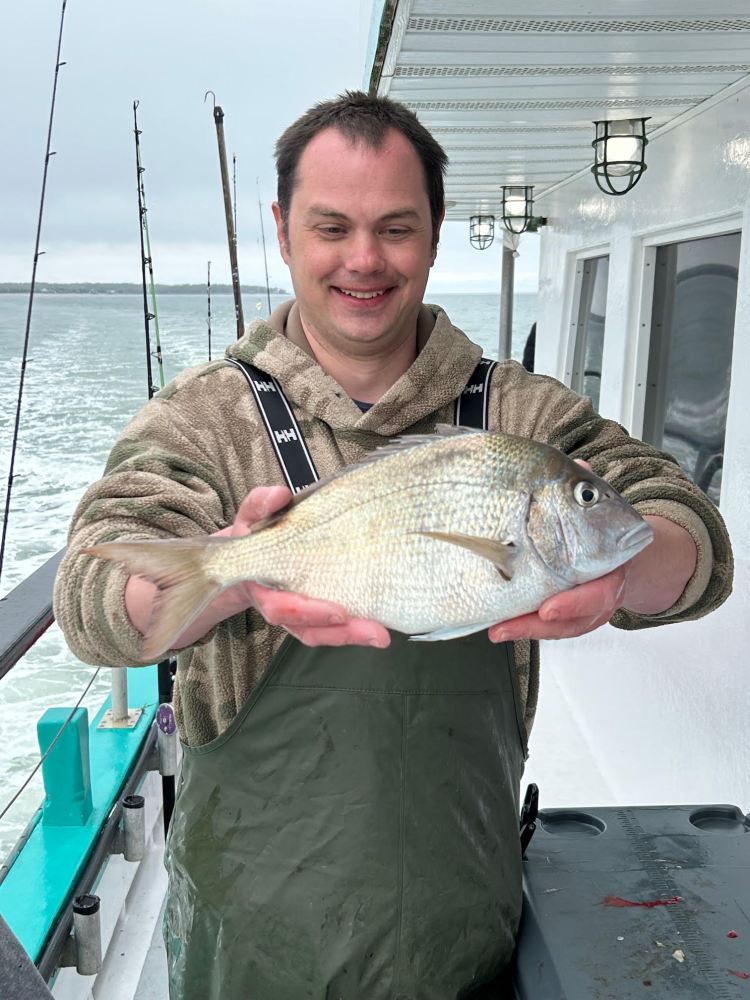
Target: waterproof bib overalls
353,834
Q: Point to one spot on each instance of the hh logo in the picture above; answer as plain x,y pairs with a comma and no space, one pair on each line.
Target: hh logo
476,387
286,435
264,386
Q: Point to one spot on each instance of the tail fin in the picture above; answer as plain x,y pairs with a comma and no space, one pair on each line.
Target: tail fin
178,568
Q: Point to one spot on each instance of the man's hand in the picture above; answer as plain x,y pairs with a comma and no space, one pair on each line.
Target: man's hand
313,622
570,613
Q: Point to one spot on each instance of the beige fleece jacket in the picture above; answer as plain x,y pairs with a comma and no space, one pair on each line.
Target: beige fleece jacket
185,462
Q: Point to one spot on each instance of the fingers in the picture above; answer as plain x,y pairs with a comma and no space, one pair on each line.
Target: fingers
533,627
356,632
571,613
259,503
317,623
588,600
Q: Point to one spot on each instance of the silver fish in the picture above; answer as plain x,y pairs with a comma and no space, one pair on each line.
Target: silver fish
435,536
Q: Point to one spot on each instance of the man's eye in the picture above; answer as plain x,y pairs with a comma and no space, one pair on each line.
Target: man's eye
331,230
396,231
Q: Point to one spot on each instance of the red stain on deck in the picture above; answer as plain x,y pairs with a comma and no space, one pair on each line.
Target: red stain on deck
732,934
740,975
649,903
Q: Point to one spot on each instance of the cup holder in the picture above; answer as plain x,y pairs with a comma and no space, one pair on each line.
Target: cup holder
720,819
571,823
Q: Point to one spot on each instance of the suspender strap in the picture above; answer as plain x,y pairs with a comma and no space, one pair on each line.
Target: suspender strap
294,458
472,406
292,452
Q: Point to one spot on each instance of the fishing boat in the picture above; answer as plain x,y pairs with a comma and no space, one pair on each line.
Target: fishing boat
620,134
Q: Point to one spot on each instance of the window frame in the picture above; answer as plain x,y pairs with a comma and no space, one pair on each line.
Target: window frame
577,264
726,225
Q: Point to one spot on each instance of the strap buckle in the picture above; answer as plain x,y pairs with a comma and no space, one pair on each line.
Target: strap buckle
529,814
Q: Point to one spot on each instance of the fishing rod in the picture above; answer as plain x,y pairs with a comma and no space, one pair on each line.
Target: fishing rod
231,239
37,254
165,668
234,196
263,238
148,314
208,288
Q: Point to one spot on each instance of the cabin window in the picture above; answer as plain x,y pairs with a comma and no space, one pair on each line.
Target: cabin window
690,354
586,377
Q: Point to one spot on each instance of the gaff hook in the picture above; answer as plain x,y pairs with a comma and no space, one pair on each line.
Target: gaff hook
212,95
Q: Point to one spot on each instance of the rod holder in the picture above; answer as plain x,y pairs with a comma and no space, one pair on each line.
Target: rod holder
133,827
166,730
87,935
119,716
119,695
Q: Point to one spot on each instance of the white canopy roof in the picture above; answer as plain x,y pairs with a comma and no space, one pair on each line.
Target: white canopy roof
511,94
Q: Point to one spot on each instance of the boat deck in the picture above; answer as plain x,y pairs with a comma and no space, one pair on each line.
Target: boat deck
153,983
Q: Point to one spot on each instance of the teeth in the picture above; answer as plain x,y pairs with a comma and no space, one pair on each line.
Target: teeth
363,295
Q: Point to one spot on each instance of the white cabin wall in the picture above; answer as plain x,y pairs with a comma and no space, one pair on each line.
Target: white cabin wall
662,713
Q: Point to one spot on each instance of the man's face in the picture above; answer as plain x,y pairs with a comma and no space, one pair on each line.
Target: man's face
358,242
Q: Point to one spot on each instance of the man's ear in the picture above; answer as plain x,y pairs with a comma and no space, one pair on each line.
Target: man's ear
436,236
281,232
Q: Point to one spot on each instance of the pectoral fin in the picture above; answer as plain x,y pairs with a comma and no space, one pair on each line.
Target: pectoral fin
501,554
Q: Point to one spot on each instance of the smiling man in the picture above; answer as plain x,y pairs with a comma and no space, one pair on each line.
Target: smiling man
359,255
347,821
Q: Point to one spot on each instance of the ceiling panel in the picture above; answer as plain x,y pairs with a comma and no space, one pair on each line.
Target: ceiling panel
512,97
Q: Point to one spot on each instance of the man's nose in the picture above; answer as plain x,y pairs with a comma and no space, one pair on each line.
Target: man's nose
364,253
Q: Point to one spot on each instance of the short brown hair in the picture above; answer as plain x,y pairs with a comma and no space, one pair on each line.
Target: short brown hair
361,118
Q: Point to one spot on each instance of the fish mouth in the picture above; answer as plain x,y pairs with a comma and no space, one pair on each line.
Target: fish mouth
636,538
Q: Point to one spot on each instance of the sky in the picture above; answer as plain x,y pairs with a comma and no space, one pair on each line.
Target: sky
267,61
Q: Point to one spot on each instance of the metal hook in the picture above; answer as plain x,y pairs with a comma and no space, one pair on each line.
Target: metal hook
212,95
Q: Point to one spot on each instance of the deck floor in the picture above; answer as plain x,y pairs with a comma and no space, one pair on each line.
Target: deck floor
153,983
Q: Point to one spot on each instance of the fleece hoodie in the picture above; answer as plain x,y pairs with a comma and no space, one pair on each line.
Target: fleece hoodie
186,461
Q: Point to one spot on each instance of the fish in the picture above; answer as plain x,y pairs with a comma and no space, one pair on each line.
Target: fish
435,536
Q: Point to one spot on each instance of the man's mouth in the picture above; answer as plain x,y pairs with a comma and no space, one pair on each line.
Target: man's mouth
362,294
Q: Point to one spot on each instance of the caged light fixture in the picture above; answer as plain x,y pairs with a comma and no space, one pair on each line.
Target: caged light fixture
481,231
518,203
619,154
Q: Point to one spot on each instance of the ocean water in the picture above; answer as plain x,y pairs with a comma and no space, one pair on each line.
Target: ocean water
85,377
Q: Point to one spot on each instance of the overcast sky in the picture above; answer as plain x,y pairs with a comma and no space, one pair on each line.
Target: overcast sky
266,60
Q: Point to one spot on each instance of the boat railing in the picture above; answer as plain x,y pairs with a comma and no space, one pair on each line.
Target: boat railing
26,613
91,810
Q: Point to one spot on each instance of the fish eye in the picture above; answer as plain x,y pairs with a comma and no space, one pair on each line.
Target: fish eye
586,494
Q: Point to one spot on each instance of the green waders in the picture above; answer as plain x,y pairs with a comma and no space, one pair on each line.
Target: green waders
353,834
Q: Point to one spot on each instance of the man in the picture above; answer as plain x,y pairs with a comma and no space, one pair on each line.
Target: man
346,825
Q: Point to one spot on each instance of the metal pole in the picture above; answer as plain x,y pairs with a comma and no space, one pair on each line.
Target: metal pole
119,695
231,239
506,301
263,238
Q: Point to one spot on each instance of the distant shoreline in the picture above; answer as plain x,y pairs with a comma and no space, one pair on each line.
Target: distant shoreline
127,288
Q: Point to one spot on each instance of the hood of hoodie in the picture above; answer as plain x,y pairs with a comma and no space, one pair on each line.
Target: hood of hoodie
437,376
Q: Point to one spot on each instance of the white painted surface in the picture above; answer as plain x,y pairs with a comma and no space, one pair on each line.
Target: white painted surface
661,715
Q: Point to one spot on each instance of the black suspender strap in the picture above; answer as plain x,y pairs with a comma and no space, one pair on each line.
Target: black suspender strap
294,458
472,406
292,452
